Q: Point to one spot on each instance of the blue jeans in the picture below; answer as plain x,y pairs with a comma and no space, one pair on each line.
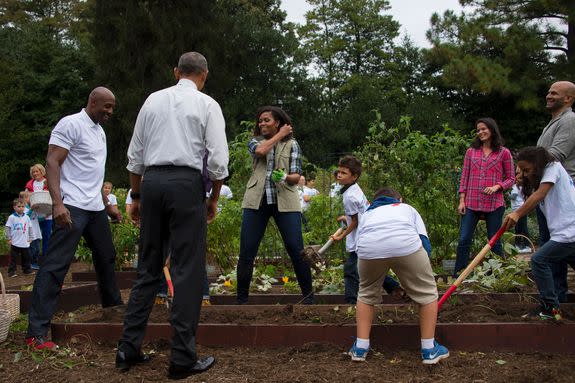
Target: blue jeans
469,221
46,229
542,262
254,223
34,251
351,280
559,269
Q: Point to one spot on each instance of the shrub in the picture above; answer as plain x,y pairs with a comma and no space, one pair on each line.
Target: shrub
424,169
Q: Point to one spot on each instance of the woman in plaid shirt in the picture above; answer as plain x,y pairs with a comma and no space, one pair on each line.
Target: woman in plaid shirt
487,172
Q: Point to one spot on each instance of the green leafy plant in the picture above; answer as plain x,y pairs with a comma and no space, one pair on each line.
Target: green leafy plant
500,275
263,283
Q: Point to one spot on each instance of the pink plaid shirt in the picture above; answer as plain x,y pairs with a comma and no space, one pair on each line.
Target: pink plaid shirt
480,172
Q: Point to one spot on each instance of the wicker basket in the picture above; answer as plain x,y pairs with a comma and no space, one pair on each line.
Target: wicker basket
41,202
9,302
4,324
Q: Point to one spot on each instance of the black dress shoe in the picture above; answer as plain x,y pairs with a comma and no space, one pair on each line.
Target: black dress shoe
181,372
124,363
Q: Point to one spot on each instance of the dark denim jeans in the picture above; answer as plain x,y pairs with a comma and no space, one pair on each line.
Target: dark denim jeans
351,280
558,269
469,221
254,223
542,262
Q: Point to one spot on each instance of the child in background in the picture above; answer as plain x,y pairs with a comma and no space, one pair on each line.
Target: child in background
354,205
35,230
19,237
112,200
392,235
516,198
309,191
335,187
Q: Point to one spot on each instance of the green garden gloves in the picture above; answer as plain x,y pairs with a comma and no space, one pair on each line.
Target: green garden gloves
279,175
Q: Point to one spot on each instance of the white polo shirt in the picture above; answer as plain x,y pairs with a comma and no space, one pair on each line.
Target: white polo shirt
82,173
559,203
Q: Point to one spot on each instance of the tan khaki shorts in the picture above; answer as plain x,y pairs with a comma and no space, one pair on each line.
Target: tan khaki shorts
414,273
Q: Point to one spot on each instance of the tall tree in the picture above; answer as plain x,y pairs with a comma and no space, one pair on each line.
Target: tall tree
44,67
552,21
349,44
247,44
495,61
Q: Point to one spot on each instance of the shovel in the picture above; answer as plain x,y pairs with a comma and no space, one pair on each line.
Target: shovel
314,257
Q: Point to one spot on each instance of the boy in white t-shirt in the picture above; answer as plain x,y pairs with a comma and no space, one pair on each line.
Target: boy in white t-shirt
19,237
547,184
392,235
354,205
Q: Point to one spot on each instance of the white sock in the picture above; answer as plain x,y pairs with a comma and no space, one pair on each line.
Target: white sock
362,343
427,343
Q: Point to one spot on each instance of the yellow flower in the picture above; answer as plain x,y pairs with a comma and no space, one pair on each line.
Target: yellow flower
285,279
228,283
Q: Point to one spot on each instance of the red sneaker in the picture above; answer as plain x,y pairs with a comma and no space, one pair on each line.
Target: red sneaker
39,343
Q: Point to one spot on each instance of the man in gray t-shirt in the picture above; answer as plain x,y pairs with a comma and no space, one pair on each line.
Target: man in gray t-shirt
558,137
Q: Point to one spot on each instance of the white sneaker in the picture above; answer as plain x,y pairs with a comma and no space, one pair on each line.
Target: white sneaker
524,250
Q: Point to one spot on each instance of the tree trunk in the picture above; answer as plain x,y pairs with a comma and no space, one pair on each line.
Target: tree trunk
570,5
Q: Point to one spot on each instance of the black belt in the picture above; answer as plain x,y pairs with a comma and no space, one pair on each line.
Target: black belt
170,168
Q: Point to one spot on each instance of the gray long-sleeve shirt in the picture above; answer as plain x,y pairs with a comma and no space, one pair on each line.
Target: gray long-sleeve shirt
558,138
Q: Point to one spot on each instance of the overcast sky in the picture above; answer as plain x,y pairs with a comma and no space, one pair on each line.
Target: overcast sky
413,15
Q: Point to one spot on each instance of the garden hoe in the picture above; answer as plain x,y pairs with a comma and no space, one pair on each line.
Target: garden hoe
477,260
313,256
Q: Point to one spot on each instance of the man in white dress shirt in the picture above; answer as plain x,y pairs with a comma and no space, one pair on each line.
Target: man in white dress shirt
174,129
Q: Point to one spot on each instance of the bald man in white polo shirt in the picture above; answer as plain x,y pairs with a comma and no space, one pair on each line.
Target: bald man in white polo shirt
75,169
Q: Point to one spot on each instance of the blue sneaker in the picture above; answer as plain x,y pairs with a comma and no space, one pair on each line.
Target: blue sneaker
357,354
35,266
435,354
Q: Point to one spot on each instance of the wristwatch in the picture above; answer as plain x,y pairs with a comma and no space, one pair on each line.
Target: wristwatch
135,195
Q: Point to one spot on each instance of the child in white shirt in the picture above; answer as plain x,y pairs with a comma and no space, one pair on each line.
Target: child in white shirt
19,237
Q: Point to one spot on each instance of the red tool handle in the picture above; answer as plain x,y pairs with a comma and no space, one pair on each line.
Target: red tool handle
478,258
169,281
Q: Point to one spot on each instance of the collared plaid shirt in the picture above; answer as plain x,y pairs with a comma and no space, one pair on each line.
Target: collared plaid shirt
480,172
270,190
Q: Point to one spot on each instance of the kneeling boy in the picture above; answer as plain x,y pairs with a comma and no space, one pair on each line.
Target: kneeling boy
392,235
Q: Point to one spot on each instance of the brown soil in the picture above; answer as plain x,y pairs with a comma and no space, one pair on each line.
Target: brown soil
482,311
94,362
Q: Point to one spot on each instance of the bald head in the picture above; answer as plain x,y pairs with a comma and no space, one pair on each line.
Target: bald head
560,96
100,93
101,103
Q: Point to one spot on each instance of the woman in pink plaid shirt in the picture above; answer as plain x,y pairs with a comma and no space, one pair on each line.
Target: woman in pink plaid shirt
487,172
